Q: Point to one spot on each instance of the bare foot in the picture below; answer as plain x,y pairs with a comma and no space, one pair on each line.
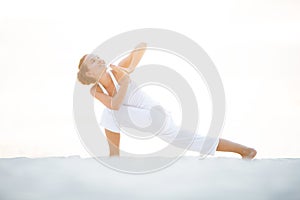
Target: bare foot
248,153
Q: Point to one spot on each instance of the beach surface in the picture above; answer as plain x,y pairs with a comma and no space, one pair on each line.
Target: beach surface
188,178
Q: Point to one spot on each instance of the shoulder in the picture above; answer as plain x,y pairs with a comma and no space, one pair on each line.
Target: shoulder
96,88
119,74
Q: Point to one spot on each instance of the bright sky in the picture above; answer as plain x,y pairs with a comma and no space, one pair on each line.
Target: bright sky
255,46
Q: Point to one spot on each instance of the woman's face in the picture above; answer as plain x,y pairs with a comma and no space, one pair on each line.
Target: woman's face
93,61
95,65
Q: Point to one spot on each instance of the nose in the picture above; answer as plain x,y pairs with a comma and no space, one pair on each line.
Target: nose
97,58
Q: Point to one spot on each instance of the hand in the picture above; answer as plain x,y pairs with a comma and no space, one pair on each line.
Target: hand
141,45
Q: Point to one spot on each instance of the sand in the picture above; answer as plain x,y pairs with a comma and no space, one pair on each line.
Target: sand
189,178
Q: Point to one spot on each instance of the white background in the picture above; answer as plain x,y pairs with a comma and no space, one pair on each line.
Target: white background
255,46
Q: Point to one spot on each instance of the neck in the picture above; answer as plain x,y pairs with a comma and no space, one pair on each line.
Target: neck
104,77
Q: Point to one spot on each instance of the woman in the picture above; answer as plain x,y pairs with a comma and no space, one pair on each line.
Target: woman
113,86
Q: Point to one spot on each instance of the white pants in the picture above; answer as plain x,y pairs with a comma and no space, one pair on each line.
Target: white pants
159,122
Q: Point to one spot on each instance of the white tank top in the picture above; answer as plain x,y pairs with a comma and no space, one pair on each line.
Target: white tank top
116,84
134,96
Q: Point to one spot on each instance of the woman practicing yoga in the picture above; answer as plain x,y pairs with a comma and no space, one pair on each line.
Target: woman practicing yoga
112,86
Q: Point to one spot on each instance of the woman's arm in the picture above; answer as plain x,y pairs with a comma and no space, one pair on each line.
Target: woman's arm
115,101
130,62
97,88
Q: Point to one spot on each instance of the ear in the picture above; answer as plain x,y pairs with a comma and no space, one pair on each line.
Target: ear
89,74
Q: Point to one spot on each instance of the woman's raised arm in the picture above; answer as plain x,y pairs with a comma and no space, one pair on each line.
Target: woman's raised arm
131,61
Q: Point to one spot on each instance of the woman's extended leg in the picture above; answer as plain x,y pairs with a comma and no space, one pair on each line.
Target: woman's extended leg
113,139
245,152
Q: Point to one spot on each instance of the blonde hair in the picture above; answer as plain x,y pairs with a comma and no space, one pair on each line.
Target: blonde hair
81,75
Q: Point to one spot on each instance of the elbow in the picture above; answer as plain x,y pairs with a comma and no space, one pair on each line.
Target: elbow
92,91
115,106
